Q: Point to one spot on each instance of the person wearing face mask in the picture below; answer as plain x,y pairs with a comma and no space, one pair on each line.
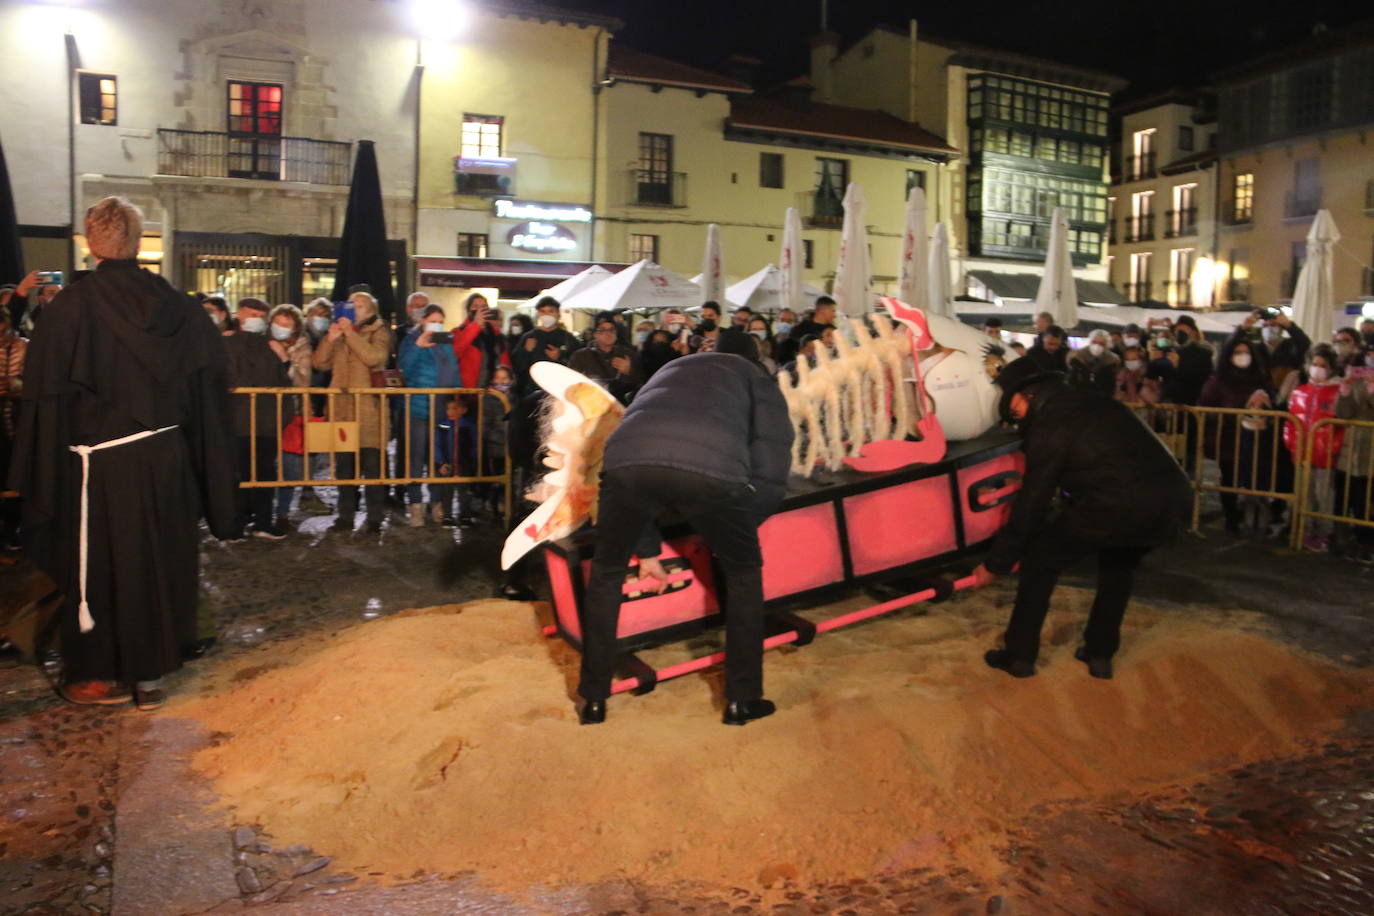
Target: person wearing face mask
642,331
1283,346
519,325
548,341
1125,496
286,329
708,329
1133,384
256,360
218,310
1130,337
783,326
759,330
1356,457
1093,367
1311,401
1240,381
606,361
478,343
1349,348
657,352
426,364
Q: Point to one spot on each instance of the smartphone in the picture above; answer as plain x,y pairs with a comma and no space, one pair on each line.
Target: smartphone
442,337
1365,372
48,277
345,310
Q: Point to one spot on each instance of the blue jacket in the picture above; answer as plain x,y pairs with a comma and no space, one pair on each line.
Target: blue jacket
426,367
450,442
716,414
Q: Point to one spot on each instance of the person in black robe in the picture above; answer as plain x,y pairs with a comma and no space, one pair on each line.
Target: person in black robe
125,379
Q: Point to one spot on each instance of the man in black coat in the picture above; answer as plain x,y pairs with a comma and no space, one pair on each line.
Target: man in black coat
1050,352
125,403
709,438
1121,492
548,341
256,361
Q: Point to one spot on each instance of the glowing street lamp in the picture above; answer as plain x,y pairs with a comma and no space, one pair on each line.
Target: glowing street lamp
440,20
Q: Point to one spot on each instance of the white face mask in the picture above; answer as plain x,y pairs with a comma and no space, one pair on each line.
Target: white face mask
1369,361
675,326
759,333
435,326
1271,333
253,325
1319,373
1240,360
282,332
1344,348
319,324
1130,341
1133,364
217,318
547,321
1096,349
416,315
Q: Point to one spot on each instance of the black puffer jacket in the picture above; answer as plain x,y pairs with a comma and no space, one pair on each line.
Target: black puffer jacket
717,414
1122,487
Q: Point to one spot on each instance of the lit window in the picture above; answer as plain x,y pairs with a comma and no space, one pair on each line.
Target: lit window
1244,200
254,109
482,136
98,98
472,245
644,248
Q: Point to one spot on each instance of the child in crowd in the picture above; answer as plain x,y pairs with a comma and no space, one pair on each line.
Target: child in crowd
1132,382
455,436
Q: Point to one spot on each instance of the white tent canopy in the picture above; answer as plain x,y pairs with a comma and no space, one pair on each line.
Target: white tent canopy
570,287
762,291
644,285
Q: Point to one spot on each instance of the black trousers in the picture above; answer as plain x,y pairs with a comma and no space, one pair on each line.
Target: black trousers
374,494
722,513
255,503
1040,571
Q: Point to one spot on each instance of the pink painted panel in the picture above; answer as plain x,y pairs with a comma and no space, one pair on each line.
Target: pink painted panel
980,526
801,550
898,525
697,600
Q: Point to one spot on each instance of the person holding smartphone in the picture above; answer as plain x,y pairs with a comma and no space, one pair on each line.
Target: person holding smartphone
1284,345
478,343
548,341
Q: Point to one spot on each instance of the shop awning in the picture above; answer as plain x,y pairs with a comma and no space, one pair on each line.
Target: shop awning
1026,286
503,273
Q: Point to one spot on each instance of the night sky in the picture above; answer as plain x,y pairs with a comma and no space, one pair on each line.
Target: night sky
1156,45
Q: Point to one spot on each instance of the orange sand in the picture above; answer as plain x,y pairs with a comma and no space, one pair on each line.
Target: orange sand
444,741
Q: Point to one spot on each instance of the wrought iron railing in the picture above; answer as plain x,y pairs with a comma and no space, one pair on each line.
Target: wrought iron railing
217,154
1180,223
1138,291
1140,228
1139,167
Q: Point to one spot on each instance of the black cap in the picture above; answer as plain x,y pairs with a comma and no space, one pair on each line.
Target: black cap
1016,376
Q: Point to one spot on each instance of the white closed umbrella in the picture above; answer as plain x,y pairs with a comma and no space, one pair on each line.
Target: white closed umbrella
1058,292
911,287
712,279
790,260
939,291
1314,297
852,273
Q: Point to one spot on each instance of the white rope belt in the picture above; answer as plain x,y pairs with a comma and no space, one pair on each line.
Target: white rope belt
84,612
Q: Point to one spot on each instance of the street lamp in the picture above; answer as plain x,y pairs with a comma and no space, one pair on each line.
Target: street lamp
440,20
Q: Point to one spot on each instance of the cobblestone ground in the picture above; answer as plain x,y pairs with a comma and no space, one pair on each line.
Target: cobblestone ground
1286,836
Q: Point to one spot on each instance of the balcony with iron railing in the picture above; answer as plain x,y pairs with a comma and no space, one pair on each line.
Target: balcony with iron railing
821,208
1140,228
217,154
1238,289
1180,223
1111,232
1139,167
1303,206
1178,292
1237,213
652,188
1138,291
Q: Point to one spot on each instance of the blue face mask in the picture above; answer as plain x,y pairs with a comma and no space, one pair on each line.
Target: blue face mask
783,327
759,333
640,337
281,332
253,325
319,324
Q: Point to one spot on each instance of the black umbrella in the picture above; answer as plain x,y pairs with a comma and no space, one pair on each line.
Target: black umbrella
362,249
11,252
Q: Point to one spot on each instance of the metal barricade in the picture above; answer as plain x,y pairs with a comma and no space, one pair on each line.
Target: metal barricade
346,421
1252,458
1339,493
1172,423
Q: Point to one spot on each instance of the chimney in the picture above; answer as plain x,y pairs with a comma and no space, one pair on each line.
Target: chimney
796,93
825,47
742,67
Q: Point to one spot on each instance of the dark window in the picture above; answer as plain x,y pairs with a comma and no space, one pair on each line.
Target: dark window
98,98
770,170
832,179
254,114
655,177
472,245
1185,139
1309,101
644,248
808,253
915,178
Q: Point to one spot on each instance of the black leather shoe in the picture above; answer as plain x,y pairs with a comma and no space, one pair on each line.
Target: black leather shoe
593,712
1097,667
1002,661
747,711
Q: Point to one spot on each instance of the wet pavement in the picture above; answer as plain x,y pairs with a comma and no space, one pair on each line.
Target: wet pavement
99,815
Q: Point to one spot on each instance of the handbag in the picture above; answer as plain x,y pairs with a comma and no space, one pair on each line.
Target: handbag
293,436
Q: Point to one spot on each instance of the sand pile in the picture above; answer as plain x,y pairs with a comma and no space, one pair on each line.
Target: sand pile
444,741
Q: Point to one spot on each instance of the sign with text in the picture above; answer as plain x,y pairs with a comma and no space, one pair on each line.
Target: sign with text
541,238
506,208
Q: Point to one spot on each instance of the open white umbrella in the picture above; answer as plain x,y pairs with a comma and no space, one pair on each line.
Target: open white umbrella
939,290
644,285
761,291
852,273
911,287
1314,297
790,261
712,280
570,287
1058,292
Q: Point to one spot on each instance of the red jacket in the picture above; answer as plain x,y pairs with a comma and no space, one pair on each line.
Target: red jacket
472,351
1311,403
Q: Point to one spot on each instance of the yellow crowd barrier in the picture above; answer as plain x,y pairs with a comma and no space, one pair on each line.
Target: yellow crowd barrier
1339,493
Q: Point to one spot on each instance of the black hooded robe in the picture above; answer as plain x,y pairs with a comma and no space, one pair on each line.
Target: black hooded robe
120,352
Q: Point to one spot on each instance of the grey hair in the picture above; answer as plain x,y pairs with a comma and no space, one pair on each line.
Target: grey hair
114,228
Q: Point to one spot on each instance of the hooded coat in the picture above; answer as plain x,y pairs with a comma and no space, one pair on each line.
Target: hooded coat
120,352
1120,486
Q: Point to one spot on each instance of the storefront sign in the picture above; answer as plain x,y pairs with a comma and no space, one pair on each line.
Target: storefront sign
533,210
541,237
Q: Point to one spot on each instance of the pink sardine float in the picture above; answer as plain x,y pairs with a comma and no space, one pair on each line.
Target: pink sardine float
898,473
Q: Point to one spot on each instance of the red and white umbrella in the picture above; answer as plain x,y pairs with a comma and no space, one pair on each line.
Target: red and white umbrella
790,260
939,290
911,286
712,279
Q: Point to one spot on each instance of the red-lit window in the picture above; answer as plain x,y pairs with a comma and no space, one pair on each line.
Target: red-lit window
255,109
